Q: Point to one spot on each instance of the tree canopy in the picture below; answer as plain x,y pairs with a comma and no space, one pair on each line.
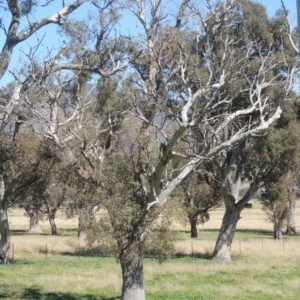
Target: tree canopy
133,116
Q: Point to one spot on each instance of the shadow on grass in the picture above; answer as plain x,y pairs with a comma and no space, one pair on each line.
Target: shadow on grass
61,232
256,232
97,251
252,233
18,232
37,294
207,256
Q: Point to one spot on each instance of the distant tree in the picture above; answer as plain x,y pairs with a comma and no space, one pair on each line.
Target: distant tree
233,166
275,204
18,173
199,197
257,165
82,201
21,25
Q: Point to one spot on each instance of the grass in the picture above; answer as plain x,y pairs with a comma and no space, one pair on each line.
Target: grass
70,277
56,268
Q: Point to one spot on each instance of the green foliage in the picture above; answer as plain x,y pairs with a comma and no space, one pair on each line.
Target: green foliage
275,202
274,154
160,242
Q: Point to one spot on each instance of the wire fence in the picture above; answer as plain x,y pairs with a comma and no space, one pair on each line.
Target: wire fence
188,247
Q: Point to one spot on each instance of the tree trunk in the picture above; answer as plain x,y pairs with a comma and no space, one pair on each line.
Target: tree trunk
4,237
277,231
223,245
86,218
194,229
81,223
131,261
291,221
4,226
52,225
34,225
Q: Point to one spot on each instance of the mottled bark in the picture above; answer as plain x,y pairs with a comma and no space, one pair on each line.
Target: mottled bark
277,234
231,217
131,261
53,225
86,217
4,225
4,237
291,221
34,224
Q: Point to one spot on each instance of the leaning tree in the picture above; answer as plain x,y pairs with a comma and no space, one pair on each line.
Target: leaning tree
262,41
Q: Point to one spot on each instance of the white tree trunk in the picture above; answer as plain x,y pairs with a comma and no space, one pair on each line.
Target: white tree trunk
291,221
34,225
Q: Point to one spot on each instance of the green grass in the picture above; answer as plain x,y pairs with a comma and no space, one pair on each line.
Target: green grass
262,269
71,277
242,234
58,277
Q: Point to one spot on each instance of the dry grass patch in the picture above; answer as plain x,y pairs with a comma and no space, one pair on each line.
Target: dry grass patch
36,244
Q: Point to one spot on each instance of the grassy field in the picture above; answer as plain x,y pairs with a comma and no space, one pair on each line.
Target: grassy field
47,267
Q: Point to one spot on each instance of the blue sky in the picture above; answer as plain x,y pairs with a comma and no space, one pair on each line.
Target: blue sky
51,36
273,5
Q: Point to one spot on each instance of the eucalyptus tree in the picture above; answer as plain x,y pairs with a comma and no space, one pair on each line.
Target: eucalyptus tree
259,166
178,85
44,198
200,196
262,41
275,203
20,166
16,26
184,75
280,189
